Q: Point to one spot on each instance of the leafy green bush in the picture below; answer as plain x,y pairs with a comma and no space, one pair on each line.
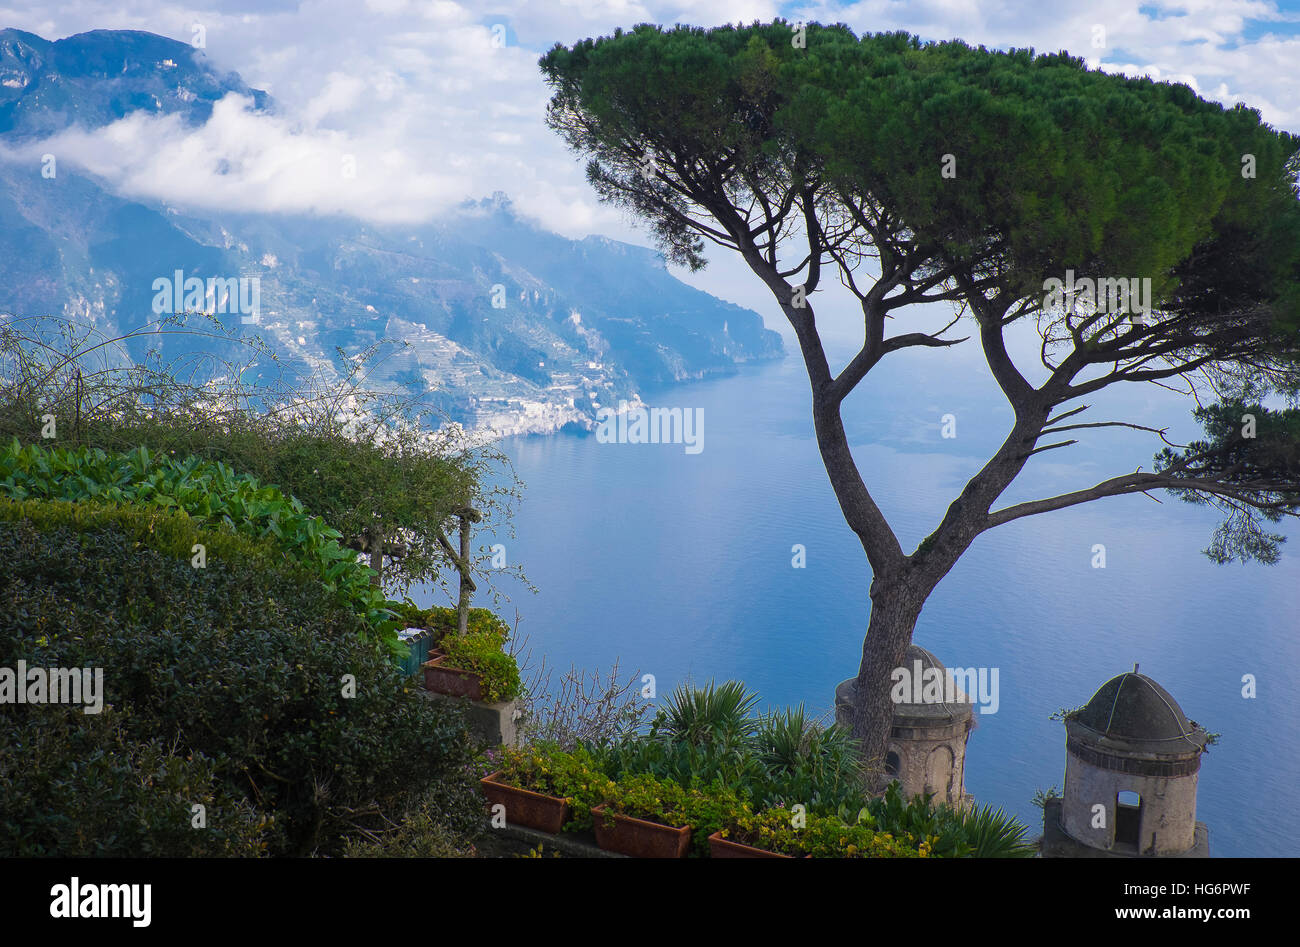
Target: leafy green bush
994,833
243,662
363,460
705,809
713,735
482,653
711,715
75,785
642,796
978,833
212,494
420,832
573,775
442,620
820,837
808,763
710,809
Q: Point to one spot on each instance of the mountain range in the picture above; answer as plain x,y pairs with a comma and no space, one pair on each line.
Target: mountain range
500,323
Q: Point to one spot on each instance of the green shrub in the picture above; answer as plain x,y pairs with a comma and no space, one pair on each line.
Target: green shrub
573,775
978,833
705,809
421,832
442,620
76,785
643,797
712,735
242,662
482,653
775,830
720,715
808,763
993,833
212,494
710,809
166,531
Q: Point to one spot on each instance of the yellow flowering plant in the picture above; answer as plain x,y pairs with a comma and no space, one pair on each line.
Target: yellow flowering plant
572,775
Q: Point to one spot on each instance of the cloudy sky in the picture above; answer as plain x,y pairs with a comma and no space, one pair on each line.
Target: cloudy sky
433,111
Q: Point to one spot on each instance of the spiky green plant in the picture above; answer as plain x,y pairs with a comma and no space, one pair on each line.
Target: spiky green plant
711,714
789,740
786,739
994,833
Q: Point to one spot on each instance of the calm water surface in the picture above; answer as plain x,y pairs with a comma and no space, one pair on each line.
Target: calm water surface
680,565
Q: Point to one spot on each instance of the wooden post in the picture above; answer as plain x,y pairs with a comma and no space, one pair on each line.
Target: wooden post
461,560
462,606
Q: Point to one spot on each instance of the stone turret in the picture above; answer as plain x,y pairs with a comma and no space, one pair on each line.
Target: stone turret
1132,759
926,752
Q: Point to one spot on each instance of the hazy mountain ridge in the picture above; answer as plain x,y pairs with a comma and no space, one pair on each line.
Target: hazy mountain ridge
508,325
94,78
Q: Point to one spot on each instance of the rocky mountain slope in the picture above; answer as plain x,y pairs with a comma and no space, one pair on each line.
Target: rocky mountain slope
500,322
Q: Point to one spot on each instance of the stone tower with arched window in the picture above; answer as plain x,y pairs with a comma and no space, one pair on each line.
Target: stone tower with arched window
926,752
1131,764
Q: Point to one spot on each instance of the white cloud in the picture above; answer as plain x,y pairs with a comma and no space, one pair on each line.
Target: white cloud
241,160
434,114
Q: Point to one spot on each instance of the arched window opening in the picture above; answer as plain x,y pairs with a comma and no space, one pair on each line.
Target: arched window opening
1128,817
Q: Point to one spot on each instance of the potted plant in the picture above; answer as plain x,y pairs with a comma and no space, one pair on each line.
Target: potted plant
722,847
645,819
473,665
547,788
440,678
534,810
773,834
769,834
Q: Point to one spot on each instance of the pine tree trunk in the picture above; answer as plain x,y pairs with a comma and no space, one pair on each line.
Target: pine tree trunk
895,608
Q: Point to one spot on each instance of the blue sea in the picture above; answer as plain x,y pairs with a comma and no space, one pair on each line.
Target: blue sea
680,565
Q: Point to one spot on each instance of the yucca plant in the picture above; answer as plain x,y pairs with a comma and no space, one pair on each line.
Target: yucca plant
786,739
993,833
790,740
711,715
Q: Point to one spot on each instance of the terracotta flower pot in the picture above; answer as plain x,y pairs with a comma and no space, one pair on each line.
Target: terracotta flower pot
639,838
720,847
525,807
451,681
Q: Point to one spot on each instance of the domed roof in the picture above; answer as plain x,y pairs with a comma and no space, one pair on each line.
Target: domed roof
920,712
916,653
1132,708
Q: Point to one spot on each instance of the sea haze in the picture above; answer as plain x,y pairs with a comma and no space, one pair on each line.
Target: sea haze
680,565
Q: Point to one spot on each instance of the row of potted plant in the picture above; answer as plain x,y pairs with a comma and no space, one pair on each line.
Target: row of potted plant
643,816
474,665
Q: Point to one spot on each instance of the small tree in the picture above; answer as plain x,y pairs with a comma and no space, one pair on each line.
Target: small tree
919,173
